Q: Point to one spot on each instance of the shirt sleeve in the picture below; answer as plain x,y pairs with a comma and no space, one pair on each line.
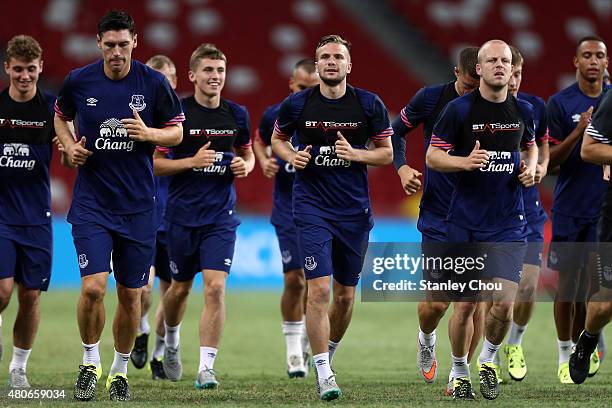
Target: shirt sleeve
168,110
600,127
266,126
243,138
555,122
529,133
410,116
286,123
379,126
541,134
65,107
447,130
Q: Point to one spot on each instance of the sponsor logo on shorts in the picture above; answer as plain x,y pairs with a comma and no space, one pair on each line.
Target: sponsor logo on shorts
607,273
310,263
227,262
286,256
83,261
138,103
173,268
553,258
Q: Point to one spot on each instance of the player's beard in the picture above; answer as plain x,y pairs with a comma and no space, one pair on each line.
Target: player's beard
332,82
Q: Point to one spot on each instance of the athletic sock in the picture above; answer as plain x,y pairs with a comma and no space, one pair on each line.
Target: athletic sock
120,363
173,335
207,358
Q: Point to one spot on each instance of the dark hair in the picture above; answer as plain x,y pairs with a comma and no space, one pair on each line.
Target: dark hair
23,47
468,58
307,64
205,51
589,38
116,20
517,57
333,38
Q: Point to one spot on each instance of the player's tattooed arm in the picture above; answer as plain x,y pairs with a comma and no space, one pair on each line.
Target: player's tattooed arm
438,159
75,152
137,130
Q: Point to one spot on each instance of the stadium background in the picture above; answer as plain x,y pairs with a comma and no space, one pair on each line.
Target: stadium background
398,46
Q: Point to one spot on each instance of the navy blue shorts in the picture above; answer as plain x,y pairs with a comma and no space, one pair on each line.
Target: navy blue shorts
26,254
567,258
335,248
535,243
433,226
289,248
193,249
128,239
504,250
161,262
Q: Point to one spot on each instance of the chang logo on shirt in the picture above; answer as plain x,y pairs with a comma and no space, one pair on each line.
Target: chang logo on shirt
327,158
499,162
110,129
215,168
576,118
13,155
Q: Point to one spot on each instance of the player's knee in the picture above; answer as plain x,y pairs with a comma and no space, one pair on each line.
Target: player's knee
147,290
526,291
215,291
464,310
436,308
93,291
318,295
602,309
502,310
295,283
344,300
29,298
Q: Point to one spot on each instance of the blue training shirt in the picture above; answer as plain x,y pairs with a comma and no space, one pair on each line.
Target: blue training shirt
118,177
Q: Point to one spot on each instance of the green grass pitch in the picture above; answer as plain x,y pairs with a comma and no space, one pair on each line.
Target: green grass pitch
375,362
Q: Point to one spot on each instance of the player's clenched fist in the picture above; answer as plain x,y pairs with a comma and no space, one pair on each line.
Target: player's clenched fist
77,153
477,159
204,157
344,150
239,167
301,158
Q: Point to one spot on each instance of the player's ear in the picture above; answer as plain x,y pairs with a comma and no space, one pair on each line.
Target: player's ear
40,65
192,76
479,69
575,61
99,40
135,40
456,70
349,66
6,67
